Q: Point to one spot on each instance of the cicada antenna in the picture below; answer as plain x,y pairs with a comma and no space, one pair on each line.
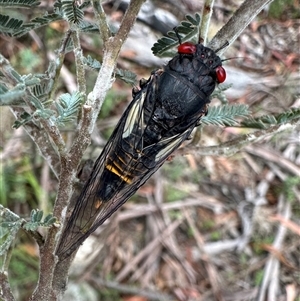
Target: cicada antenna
231,58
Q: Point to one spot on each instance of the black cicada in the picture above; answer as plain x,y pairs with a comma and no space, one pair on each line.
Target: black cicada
162,115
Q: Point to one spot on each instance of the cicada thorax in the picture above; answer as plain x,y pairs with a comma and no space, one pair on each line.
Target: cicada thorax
186,84
201,68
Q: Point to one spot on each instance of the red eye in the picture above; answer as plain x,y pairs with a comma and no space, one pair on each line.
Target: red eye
187,48
221,74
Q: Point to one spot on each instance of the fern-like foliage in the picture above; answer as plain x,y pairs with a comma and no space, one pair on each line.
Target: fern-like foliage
10,223
41,91
23,119
85,4
36,221
219,93
9,25
39,113
3,90
29,80
266,121
187,30
37,23
17,27
67,107
225,115
63,9
86,26
19,3
13,96
125,75
71,11
92,63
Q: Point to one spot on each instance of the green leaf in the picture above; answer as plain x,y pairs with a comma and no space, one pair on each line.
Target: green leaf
25,117
71,11
41,91
44,113
36,220
31,226
219,93
91,62
33,213
126,75
39,216
37,23
187,30
30,80
9,25
10,223
13,96
19,3
266,121
67,106
86,26
225,115
49,220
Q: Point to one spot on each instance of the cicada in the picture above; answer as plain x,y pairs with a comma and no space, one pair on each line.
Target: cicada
162,114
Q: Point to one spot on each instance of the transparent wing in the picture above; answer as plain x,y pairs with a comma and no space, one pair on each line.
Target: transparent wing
123,166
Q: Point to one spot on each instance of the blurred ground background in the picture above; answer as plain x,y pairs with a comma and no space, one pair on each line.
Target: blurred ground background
203,227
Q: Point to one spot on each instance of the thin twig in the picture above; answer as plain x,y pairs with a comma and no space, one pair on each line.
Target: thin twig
80,72
149,294
112,49
148,249
273,156
149,267
206,14
138,210
59,60
231,147
213,276
6,293
237,23
101,20
82,140
64,75
272,266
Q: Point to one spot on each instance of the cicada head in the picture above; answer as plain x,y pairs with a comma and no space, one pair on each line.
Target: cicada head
201,55
212,61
